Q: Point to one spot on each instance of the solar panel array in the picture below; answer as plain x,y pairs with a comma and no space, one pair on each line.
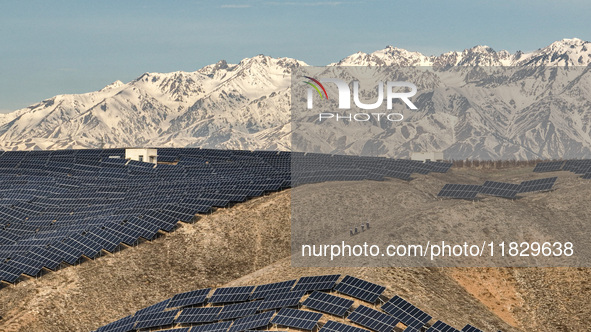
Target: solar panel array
549,166
252,322
411,316
582,166
331,304
231,294
360,289
189,298
238,310
470,328
373,319
462,191
314,167
332,326
500,189
272,288
282,300
61,206
493,188
440,326
317,282
537,185
578,166
199,315
299,319
282,310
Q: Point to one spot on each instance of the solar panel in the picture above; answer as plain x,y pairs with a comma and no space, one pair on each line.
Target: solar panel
550,166
470,328
317,282
122,325
439,167
238,310
182,329
231,294
252,322
198,315
160,306
189,298
215,327
461,191
537,185
581,166
332,326
282,300
330,304
440,326
500,189
278,287
411,316
360,289
299,319
373,319
155,319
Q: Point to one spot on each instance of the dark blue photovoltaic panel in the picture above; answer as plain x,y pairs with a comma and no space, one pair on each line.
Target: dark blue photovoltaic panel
334,305
158,307
332,326
182,329
122,325
273,288
298,319
231,294
189,298
537,185
155,319
198,315
316,282
373,319
500,189
282,300
440,326
408,314
215,327
252,322
238,310
360,289
470,328
550,166
461,191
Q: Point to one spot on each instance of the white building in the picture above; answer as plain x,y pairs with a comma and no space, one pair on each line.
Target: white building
426,156
142,154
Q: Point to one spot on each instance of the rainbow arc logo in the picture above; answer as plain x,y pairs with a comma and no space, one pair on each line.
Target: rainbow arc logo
316,86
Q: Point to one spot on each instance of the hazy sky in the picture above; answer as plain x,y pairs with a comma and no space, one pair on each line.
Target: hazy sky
56,47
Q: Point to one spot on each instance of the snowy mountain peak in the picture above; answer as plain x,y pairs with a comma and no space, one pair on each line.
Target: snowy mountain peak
114,85
565,52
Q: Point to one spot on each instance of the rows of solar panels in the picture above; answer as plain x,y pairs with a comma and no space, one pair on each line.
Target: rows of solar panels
312,167
581,167
498,189
62,206
280,305
510,190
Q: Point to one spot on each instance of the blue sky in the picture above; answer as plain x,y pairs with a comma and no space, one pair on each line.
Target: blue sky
56,47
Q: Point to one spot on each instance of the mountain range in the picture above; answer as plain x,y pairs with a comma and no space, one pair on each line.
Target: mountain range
528,114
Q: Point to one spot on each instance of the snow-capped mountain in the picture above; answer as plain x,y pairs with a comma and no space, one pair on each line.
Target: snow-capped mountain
526,113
